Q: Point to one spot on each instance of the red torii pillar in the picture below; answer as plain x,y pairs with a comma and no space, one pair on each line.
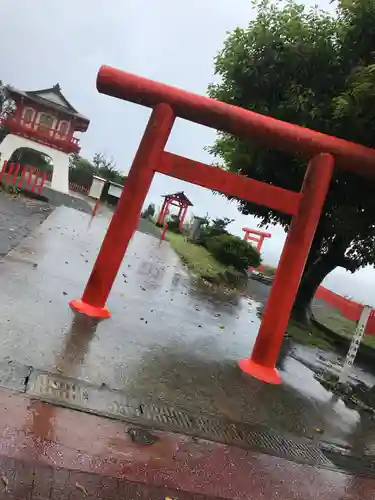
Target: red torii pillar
163,212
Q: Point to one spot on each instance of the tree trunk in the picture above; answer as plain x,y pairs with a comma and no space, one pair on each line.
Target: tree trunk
312,277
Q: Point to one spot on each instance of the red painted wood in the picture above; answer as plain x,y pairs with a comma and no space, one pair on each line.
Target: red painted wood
173,200
163,233
234,120
257,231
348,308
163,212
3,170
262,363
125,219
67,144
225,182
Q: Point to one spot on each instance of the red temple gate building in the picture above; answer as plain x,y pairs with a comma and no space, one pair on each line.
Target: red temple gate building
44,121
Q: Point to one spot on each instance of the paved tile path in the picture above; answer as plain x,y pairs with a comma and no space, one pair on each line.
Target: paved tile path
46,450
23,480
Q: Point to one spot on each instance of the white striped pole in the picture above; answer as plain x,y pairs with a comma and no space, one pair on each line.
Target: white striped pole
355,343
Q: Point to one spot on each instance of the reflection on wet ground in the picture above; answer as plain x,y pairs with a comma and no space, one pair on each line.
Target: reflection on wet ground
170,339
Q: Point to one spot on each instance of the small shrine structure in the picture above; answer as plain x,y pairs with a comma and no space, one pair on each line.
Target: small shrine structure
179,200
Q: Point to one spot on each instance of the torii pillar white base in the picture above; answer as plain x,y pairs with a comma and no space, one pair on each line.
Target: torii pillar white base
60,160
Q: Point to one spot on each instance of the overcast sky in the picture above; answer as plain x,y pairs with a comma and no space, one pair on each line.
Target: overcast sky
172,41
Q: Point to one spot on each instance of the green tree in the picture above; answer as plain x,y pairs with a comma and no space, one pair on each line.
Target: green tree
210,229
81,170
317,70
7,108
107,168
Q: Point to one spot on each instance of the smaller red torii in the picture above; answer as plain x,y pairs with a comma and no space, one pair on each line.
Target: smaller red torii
177,200
259,236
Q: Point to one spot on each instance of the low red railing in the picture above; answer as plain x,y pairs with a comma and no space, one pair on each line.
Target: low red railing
49,136
78,188
348,308
23,177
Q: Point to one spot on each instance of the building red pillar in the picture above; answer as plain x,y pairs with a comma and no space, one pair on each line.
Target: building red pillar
166,210
162,212
3,170
125,219
262,363
180,212
182,217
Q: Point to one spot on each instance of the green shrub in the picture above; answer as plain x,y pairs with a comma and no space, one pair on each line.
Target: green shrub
213,228
173,224
149,212
232,251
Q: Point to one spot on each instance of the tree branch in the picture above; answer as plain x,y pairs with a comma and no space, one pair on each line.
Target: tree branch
349,264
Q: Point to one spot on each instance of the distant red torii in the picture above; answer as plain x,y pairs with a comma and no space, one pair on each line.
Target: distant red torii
179,200
258,238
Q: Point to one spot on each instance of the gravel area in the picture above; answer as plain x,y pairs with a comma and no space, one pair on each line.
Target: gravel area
18,218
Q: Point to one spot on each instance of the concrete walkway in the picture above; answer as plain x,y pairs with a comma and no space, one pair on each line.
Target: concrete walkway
166,359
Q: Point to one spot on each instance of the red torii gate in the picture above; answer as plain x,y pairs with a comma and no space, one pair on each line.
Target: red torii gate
258,238
305,207
179,200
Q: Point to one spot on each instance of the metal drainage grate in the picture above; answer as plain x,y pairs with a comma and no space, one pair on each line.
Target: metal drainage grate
243,435
103,401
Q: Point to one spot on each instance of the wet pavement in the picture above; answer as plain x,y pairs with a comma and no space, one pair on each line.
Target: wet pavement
51,452
170,341
18,218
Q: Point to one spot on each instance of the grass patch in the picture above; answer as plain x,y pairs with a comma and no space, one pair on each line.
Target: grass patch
196,257
310,336
332,319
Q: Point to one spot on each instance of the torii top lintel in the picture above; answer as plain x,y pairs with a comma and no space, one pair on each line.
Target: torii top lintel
237,121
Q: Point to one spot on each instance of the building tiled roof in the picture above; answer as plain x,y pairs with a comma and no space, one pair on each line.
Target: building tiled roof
34,95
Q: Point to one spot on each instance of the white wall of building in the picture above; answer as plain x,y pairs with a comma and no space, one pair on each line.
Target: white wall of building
60,160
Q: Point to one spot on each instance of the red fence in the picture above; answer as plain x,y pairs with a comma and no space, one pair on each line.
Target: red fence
348,308
23,177
30,178
78,188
